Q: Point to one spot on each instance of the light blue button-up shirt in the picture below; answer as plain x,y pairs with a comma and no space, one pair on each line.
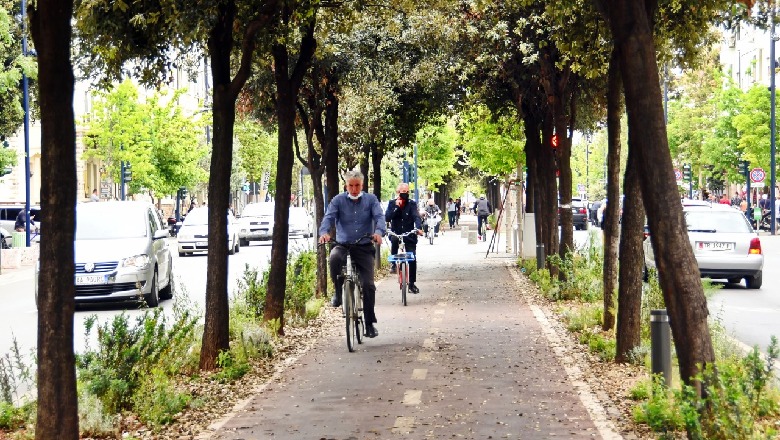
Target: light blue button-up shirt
354,218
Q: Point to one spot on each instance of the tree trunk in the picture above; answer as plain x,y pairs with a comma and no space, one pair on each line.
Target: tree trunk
57,415
364,161
330,149
376,165
677,269
548,202
612,210
287,87
216,330
629,312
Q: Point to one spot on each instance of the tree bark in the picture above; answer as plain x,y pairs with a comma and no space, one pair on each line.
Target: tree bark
287,86
677,269
627,334
377,153
612,210
57,415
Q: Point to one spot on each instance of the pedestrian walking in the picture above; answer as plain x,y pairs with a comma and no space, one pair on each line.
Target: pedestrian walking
451,212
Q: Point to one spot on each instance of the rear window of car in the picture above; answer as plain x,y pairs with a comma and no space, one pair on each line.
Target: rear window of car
255,209
707,220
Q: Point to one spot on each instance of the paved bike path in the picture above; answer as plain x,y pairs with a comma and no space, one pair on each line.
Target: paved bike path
467,358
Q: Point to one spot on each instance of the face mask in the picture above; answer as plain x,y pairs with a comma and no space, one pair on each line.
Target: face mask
354,197
404,196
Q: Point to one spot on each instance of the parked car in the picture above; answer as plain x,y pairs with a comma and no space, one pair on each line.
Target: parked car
579,210
256,222
301,222
193,236
724,244
121,254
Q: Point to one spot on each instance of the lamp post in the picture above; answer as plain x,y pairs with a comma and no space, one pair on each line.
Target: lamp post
26,105
772,125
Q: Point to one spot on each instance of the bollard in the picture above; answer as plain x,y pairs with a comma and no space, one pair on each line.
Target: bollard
464,232
472,237
660,345
540,256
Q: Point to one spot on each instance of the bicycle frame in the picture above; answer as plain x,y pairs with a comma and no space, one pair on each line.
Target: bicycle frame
402,259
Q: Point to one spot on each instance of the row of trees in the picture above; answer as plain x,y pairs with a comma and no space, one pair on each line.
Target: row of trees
541,67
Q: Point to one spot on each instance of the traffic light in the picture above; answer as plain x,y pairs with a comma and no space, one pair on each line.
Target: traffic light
687,172
554,141
742,167
128,176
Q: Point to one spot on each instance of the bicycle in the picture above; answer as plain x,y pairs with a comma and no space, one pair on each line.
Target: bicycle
402,259
351,303
431,222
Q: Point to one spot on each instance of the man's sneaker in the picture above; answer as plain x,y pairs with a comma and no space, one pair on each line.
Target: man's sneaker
336,301
392,269
413,288
371,331
479,237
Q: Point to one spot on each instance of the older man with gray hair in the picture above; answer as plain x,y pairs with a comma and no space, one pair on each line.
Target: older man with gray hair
355,215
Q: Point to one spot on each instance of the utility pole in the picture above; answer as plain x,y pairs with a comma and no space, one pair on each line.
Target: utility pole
26,105
772,125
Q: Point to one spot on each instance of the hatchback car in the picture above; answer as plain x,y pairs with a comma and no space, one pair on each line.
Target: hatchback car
301,222
193,236
256,222
121,253
724,244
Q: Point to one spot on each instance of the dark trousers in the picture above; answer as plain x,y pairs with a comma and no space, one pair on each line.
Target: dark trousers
412,264
481,220
451,217
363,257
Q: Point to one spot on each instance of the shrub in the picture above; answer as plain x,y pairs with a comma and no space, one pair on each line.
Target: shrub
16,417
156,401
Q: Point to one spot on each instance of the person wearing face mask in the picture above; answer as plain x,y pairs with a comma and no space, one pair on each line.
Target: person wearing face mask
355,214
403,216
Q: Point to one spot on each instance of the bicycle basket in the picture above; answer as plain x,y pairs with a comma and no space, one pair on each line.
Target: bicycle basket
409,256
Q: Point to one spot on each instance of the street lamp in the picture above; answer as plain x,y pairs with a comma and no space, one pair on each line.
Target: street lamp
26,106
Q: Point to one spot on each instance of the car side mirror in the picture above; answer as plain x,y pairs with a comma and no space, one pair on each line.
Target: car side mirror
161,233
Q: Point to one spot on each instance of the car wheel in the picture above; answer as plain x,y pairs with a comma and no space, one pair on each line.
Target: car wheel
734,280
755,281
167,291
153,297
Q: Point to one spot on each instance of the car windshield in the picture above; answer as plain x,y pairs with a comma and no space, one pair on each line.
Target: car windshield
198,216
256,209
120,222
707,220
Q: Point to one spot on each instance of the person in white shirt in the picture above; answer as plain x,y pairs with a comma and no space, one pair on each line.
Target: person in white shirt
451,212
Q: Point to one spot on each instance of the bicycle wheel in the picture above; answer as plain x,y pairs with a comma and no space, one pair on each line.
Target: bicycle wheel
430,237
403,270
348,303
358,318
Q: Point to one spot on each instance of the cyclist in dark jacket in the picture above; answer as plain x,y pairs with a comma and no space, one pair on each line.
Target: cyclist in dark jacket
403,216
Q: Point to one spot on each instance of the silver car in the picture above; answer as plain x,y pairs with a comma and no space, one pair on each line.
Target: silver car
256,222
121,253
301,222
193,236
724,244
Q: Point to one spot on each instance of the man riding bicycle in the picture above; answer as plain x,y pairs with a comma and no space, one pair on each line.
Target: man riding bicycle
403,216
355,214
483,209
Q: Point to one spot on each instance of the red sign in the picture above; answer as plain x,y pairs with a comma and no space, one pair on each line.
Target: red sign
757,175
554,141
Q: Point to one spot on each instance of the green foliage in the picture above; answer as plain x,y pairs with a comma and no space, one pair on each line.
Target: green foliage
256,151
125,354
584,317
249,299
232,367
16,373
14,65
492,144
163,145
14,417
93,421
436,153
156,401
301,282
741,401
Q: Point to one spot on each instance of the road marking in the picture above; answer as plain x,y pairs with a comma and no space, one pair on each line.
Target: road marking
419,373
424,357
412,397
403,425
428,343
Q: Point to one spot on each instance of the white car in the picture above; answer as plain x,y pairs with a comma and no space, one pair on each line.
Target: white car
724,244
301,222
121,259
193,235
256,222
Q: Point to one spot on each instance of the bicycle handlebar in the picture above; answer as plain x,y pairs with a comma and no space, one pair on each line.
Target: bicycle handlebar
349,243
413,231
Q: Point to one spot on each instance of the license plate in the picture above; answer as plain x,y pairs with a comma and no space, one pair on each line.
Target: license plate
86,280
202,244
714,246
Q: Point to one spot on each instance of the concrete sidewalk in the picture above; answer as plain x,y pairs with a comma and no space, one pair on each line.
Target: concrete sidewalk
469,357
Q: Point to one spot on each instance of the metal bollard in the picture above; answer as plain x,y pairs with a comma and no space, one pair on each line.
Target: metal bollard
660,345
540,256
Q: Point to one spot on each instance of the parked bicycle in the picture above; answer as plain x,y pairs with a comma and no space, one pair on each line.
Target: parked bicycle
401,260
352,295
